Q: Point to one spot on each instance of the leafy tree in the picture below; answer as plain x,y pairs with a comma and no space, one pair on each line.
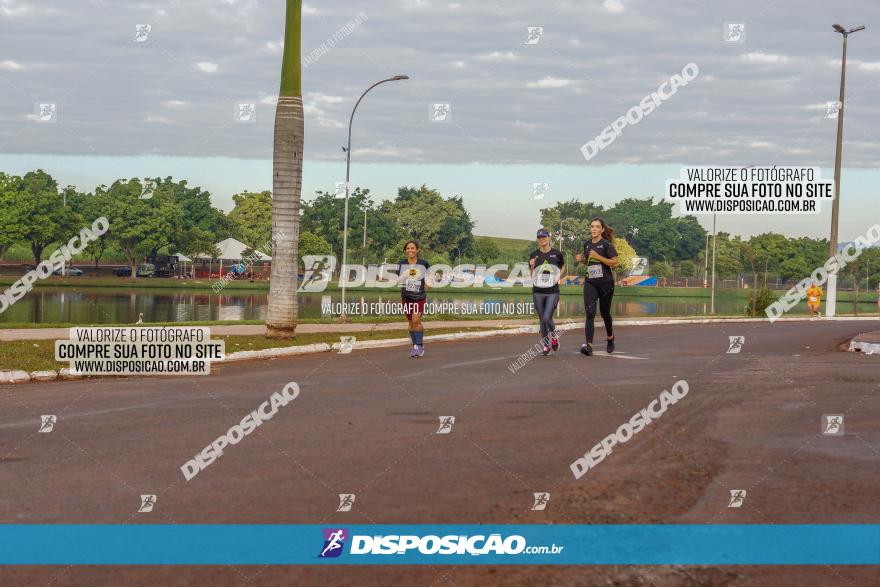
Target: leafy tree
687,268
439,225
728,262
12,213
485,249
91,207
795,268
692,238
312,244
137,226
46,219
661,269
457,230
573,219
251,218
625,257
200,242
653,232
323,217
195,212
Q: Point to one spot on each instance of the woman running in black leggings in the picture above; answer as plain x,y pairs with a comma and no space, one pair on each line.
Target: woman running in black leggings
600,256
548,268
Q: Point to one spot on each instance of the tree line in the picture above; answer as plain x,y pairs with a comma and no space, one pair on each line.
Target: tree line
163,215
679,246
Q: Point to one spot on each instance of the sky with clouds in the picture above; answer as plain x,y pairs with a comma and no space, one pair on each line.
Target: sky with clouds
518,112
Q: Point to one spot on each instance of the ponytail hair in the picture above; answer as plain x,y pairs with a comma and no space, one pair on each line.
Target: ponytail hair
607,231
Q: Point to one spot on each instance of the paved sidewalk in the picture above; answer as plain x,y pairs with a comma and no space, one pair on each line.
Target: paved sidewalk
245,329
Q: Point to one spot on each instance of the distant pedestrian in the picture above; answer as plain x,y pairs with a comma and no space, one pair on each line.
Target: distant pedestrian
814,300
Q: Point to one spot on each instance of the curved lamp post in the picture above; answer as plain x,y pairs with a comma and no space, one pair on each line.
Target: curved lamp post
342,316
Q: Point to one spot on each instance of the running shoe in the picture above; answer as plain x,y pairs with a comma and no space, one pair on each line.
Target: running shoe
554,343
419,351
611,345
546,350
586,349
414,352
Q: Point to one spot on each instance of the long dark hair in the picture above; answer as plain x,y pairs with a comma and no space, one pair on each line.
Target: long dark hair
415,242
607,231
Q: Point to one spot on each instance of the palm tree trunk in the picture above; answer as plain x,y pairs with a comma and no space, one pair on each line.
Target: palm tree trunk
286,183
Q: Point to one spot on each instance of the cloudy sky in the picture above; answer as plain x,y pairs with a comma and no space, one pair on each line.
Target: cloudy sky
518,112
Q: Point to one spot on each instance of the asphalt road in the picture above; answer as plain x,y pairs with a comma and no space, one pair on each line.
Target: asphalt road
366,423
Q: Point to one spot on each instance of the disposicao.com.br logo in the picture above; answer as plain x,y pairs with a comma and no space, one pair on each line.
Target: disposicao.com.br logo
430,544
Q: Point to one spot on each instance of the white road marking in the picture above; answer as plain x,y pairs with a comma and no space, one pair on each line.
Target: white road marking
619,356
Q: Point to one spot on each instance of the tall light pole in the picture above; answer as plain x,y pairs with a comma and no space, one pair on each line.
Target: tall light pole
342,316
714,243
706,264
365,236
835,205
459,255
561,222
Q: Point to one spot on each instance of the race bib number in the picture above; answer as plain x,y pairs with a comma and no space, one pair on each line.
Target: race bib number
413,281
813,299
544,279
594,271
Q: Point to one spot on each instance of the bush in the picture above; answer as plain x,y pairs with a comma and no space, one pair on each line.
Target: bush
759,300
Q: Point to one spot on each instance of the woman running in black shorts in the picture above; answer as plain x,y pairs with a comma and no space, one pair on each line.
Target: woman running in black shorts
600,256
412,271
548,268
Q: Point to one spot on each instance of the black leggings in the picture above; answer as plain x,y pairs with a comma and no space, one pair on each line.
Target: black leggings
601,291
545,305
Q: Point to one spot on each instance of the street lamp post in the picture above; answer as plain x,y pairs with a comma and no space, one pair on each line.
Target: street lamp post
714,242
342,316
457,250
365,236
830,305
706,264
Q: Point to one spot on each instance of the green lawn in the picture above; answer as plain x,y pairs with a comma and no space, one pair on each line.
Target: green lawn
39,355
511,246
139,283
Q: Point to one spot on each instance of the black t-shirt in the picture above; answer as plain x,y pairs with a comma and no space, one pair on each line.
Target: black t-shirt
412,279
596,270
548,268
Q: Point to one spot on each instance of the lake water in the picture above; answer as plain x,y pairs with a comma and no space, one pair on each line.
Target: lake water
118,306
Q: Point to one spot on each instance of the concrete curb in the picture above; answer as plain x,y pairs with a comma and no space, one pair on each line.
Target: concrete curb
868,348
276,352
65,374
867,343
14,376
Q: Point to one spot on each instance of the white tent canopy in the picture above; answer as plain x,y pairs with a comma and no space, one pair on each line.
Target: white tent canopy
183,258
233,250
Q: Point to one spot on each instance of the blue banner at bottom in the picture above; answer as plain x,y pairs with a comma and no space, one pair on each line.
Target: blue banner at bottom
417,544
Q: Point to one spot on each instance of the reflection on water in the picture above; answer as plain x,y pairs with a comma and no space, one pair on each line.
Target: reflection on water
113,306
